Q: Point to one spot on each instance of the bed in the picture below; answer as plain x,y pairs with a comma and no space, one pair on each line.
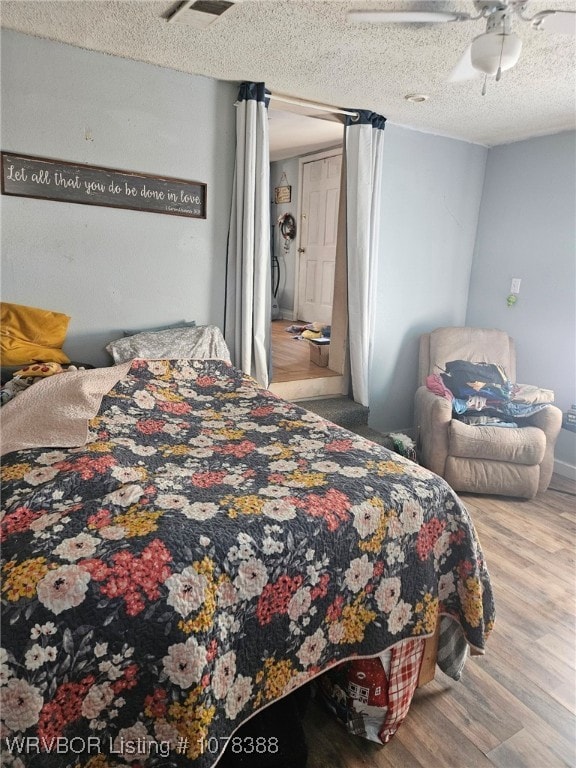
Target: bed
196,551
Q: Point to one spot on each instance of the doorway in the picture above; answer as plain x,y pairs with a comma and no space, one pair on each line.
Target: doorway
293,156
301,369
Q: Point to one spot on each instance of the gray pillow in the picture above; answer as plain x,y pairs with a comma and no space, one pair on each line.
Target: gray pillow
182,324
203,342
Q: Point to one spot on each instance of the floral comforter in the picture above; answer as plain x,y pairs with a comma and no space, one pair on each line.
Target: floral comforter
210,549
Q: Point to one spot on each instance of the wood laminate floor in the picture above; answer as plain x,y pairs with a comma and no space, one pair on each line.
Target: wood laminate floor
515,706
291,357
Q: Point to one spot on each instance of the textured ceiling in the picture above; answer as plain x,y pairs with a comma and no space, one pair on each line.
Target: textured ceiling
309,49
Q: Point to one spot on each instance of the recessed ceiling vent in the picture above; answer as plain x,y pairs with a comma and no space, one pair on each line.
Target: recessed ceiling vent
200,13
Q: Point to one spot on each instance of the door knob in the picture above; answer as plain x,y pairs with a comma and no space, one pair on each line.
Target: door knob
301,250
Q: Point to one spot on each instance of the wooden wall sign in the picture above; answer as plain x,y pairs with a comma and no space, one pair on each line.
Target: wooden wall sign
47,179
282,194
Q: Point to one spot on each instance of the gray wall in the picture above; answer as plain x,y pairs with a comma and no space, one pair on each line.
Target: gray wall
527,229
430,207
113,269
287,259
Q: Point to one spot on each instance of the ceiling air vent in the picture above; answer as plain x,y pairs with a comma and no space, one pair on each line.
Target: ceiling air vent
200,13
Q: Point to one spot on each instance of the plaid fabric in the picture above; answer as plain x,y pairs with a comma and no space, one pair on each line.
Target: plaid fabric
452,648
377,709
403,679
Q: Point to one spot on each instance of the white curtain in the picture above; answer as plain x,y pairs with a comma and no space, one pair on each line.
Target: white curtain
364,140
248,271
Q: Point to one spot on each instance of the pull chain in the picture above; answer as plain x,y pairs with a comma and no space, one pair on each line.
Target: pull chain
499,72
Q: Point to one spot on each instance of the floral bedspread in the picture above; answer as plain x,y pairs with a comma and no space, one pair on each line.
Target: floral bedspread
210,549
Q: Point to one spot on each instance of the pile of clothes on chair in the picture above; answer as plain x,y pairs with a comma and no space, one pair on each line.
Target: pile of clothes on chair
482,395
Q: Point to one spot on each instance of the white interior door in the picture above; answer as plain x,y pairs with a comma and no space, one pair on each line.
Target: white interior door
318,231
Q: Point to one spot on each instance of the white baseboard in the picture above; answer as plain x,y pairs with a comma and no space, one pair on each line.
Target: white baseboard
287,314
564,469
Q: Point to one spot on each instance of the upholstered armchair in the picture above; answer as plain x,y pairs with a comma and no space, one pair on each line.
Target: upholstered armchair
508,461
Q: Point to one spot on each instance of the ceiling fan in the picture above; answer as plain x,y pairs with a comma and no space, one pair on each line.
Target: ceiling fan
492,52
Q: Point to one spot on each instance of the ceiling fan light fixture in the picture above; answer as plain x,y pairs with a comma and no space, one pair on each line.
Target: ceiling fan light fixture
493,51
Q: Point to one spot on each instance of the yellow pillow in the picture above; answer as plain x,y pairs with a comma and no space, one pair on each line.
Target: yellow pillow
28,334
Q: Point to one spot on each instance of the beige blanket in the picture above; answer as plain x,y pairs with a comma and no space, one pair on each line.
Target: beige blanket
54,413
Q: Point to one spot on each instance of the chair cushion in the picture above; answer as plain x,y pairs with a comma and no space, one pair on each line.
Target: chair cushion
478,345
516,445
498,477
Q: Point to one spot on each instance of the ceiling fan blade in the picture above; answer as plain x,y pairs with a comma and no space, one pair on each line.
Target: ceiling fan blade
405,17
464,69
559,22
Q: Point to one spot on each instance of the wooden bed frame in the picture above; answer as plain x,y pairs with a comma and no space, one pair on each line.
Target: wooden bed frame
428,667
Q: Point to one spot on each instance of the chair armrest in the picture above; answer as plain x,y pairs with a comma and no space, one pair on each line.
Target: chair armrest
549,420
433,416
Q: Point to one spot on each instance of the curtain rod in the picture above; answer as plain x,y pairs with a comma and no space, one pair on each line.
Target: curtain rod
312,105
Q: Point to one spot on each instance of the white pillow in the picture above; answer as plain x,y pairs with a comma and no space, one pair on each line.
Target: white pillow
204,342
